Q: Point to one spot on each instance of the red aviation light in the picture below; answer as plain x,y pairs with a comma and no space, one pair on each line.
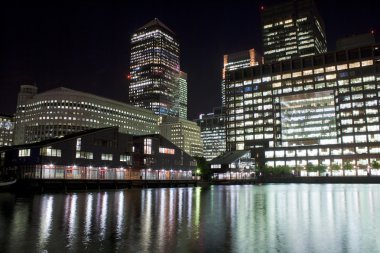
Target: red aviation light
262,7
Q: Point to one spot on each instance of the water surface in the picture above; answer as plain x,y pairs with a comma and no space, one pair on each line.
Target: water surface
266,218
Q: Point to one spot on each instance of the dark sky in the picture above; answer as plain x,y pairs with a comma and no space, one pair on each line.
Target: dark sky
85,45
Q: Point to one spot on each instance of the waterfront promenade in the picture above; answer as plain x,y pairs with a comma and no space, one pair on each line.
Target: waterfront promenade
64,185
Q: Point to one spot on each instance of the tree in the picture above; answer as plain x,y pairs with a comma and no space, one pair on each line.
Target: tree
310,168
334,167
347,166
320,168
375,164
202,168
282,170
267,170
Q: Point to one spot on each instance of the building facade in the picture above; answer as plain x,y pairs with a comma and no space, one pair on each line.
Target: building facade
154,69
239,60
183,133
213,133
182,96
6,130
292,29
61,111
98,154
233,165
321,109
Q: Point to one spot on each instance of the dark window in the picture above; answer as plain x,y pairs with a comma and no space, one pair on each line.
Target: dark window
353,54
341,56
297,64
329,58
247,73
286,66
238,75
366,52
276,67
256,71
267,69
318,60
308,62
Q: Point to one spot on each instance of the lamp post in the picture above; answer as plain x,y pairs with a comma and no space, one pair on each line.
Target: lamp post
197,173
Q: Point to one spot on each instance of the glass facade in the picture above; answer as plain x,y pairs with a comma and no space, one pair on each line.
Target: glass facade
308,118
154,69
182,96
6,130
321,109
213,133
292,29
238,60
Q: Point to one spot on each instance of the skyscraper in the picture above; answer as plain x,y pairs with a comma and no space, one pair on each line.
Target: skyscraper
292,29
182,97
154,68
239,60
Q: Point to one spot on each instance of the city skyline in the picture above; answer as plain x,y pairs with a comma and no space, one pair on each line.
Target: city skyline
87,47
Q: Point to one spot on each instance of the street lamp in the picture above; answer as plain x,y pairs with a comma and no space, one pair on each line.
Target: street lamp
197,173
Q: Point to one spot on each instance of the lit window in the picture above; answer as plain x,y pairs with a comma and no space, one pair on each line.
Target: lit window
24,152
107,157
147,146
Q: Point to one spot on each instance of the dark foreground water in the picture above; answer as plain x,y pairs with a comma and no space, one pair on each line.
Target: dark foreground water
268,218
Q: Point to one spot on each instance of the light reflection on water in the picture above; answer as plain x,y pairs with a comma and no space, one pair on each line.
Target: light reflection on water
269,218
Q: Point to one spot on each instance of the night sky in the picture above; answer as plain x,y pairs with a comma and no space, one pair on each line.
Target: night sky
85,45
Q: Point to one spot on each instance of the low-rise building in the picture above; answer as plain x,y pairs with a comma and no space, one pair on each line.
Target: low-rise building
98,154
233,165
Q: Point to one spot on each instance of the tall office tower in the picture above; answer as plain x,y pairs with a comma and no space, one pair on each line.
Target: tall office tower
182,96
154,68
213,133
292,29
238,60
6,130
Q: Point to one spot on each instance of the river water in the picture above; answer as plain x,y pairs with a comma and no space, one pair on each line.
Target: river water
266,218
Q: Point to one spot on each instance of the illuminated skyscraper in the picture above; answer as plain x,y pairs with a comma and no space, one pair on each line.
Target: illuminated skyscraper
292,29
239,60
6,130
182,96
154,69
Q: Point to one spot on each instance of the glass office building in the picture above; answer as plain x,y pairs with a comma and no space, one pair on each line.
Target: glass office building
6,130
291,29
321,109
213,133
182,96
154,69
238,60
